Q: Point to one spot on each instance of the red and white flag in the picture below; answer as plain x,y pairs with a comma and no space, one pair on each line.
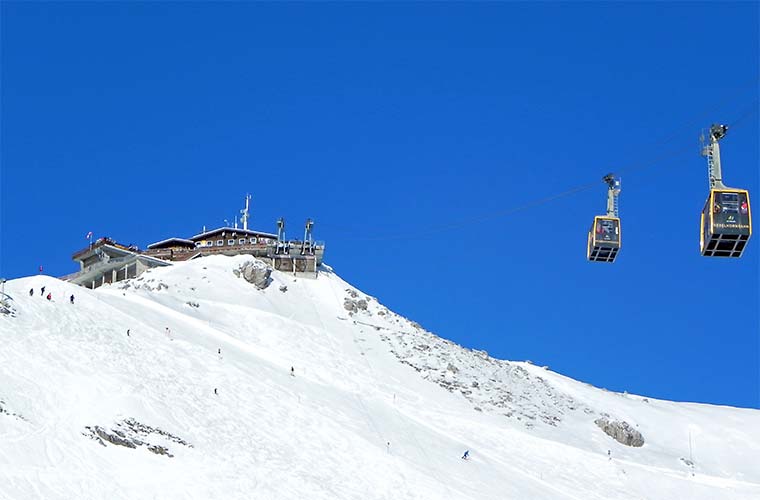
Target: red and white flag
89,235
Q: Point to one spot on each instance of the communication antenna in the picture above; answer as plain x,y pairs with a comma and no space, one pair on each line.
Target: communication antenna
245,212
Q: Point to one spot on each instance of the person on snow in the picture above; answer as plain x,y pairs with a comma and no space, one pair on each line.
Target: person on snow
127,332
31,292
49,296
42,291
466,455
72,298
292,372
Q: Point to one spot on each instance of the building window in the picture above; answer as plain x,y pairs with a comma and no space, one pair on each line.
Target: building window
241,241
219,243
209,243
230,242
253,241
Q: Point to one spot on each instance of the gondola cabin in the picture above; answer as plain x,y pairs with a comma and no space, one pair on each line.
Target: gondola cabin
726,223
604,239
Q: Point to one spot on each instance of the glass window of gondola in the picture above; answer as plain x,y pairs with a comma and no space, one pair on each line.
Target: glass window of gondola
730,213
607,230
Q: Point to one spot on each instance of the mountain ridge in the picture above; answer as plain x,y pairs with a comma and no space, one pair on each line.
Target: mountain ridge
378,407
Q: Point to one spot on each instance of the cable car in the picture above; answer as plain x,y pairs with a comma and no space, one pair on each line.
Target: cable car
726,221
604,237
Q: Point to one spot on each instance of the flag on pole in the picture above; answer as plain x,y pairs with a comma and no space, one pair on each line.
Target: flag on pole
89,235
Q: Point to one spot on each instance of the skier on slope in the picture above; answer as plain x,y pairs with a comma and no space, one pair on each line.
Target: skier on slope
466,455
49,296
42,291
72,298
31,292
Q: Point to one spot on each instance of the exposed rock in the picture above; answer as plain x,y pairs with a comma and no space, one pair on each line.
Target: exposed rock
256,272
283,289
3,411
193,304
620,431
159,450
131,434
354,305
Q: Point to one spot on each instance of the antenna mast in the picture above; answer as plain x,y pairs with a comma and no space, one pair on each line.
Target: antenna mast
245,212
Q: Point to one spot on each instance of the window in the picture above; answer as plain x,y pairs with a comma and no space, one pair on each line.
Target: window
253,241
219,243
241,241
209,243
230,242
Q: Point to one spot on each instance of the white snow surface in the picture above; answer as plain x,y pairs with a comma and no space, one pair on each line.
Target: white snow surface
378,408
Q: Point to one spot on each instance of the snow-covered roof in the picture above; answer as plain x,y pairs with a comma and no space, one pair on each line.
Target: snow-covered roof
237,230
171,240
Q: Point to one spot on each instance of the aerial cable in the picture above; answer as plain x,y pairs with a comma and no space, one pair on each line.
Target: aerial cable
466,222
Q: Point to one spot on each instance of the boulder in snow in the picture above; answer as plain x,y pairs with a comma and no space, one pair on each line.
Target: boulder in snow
620,431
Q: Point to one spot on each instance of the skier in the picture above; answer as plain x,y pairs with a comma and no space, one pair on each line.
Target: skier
72,298
31,292
609,456
292,372
168,333
127,332
42,291
215,391
49,296
466,455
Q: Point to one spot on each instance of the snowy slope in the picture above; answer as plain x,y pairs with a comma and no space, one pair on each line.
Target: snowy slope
378,408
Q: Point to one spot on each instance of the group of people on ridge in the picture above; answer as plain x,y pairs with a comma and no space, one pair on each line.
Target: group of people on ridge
49,296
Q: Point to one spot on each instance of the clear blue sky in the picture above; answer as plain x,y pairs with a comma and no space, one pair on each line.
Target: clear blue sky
397,127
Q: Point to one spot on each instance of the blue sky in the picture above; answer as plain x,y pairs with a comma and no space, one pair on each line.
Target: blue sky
408,132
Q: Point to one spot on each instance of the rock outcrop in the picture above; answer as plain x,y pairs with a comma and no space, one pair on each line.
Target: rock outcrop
256,272
131,434
620,431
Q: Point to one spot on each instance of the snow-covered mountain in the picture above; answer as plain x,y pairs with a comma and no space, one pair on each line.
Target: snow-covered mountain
199,402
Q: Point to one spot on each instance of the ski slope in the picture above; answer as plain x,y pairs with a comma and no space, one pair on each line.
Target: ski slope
378,408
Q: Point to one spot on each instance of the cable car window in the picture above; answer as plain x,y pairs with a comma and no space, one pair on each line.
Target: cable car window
731,213
607,230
